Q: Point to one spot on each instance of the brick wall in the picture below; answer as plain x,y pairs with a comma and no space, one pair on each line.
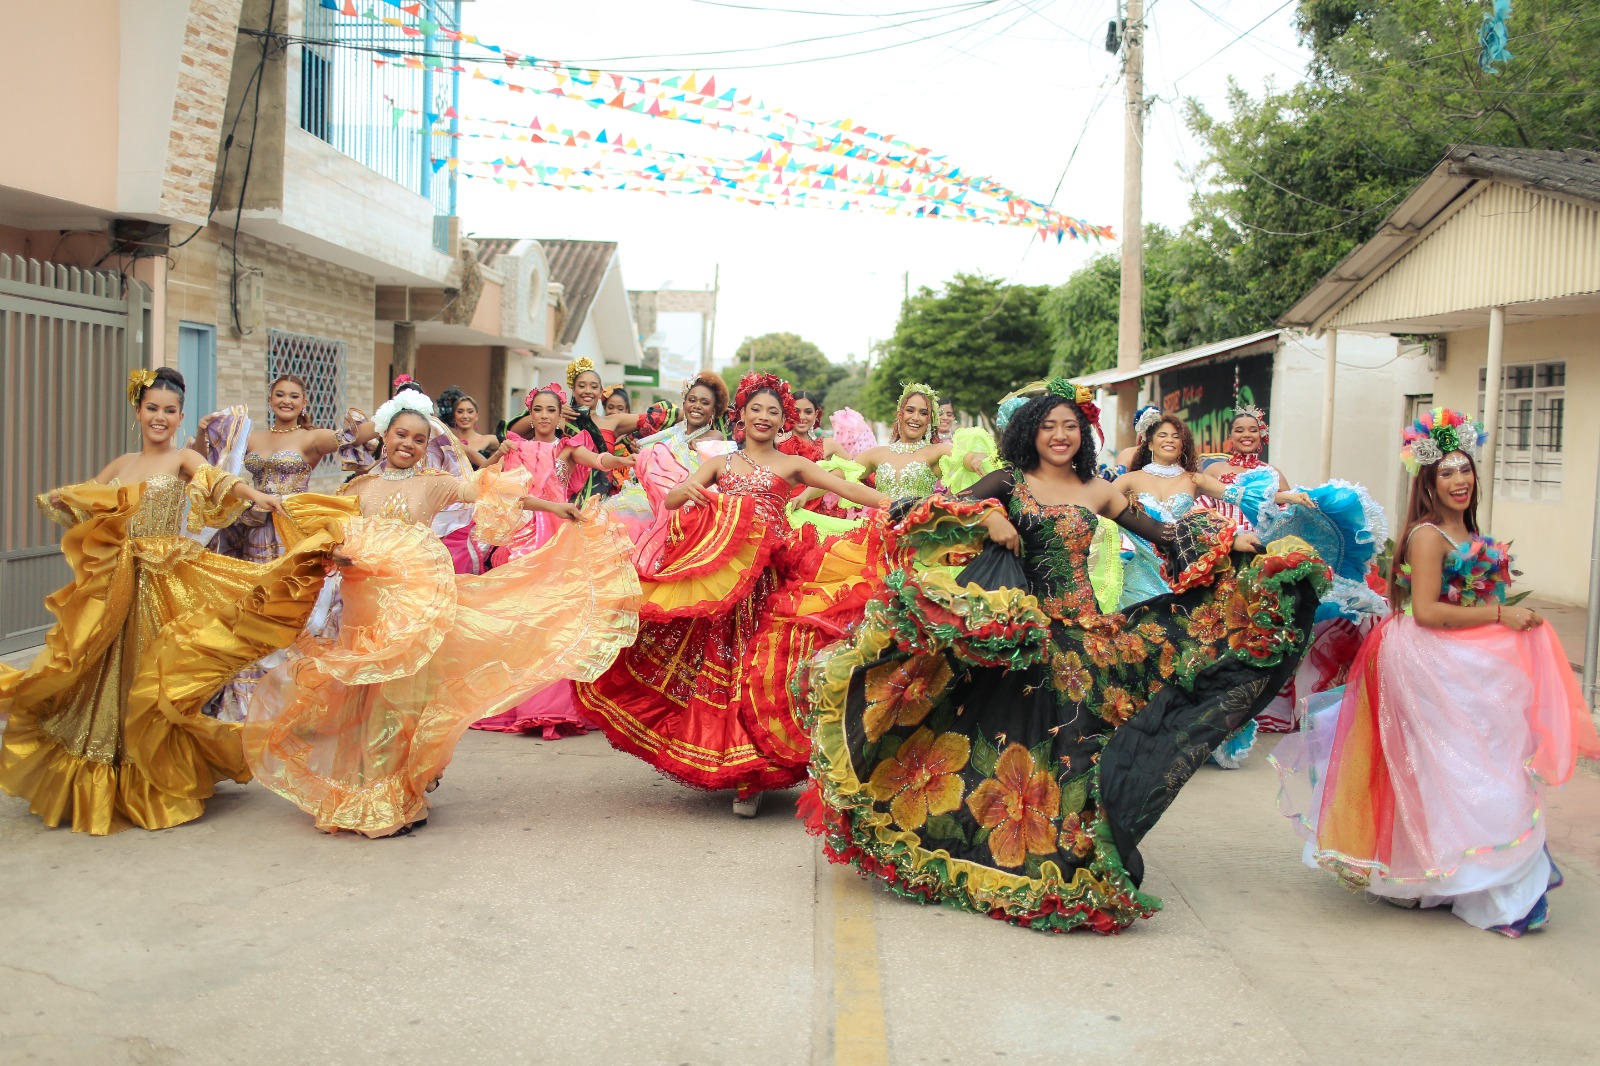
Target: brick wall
195,137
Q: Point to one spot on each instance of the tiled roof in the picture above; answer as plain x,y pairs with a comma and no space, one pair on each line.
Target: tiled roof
579,266
492,248
1573,172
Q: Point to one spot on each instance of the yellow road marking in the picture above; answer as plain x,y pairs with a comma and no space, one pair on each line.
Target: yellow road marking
860,1035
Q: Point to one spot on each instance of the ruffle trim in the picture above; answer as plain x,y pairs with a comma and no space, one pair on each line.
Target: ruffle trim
1271,633
926,613
1217,533
943,531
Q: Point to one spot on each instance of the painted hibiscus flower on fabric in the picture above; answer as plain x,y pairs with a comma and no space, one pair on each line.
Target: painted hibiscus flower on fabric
922,778
1016,805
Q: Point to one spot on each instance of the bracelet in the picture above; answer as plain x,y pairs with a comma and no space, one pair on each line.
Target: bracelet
1497,609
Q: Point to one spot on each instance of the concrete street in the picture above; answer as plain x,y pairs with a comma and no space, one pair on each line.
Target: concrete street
566,904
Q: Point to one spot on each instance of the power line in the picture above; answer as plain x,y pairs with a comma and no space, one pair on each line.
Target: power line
840,14
1241,36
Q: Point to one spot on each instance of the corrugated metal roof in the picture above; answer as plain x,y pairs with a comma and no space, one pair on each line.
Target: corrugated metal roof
578,267
1523,172
1104,378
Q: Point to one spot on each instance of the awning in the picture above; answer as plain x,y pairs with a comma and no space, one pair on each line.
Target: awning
1105,378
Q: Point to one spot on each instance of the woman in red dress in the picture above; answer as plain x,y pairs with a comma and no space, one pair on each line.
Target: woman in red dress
739,601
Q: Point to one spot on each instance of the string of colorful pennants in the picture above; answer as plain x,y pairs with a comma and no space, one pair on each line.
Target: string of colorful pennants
802,163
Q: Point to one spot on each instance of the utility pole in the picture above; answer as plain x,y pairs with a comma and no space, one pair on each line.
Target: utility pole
1130,319
709,353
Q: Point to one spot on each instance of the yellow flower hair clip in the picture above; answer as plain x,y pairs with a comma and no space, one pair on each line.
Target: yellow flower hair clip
578,367
138,381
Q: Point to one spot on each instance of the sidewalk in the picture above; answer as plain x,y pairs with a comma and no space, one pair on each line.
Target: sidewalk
1569,623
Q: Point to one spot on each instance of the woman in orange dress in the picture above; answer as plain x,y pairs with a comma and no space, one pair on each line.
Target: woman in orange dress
740,599
360,722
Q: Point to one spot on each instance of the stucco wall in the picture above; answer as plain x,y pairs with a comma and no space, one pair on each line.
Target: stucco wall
467,367
1550,537
1376,374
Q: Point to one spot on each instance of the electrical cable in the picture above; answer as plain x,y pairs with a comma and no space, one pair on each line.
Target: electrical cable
839,14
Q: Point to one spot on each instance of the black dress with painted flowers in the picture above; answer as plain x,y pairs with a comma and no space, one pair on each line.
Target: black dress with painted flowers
993,742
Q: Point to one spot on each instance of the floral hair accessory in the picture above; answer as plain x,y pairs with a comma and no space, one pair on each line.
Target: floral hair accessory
138,381
750,384
410,400
552,388
916,388
577,368
1437,433
1081,395
402,379
1149,418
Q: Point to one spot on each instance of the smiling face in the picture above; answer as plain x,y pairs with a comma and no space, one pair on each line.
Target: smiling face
616,404
545,412
586,390
466,416
699,407
160,414
805,415
947,417
405,442
288,401
914,418
1456,483
1166,444
763,417
1245,435
1059,437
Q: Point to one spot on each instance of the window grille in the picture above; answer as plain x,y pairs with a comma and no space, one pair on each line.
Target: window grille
1529,452
320,362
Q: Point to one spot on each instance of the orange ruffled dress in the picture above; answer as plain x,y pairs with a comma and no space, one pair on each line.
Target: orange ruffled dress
739,601
106,729
364,716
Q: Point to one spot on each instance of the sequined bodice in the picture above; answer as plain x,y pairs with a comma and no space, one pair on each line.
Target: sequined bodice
771,492
916,479
161,504
282,473
1169,509
1055,551
414,499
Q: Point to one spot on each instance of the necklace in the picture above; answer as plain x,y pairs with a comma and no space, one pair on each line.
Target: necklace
1163,469
689,437
900,447
1246,461
389,473
274,428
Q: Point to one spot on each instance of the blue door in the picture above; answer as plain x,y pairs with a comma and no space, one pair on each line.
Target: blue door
197,362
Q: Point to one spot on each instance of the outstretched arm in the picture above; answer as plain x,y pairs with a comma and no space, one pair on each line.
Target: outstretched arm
818,478
693,488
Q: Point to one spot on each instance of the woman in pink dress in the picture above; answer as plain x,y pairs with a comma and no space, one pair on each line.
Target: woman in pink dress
559,466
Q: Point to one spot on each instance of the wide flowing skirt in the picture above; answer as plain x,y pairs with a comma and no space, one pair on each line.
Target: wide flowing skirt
1429,783
365,716
969,749
734,608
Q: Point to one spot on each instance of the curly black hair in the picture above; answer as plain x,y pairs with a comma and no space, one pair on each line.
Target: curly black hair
1019,447
1189,460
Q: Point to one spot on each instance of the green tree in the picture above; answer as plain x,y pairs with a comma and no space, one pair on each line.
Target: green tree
1082,313
849,390
1293,181
788,355
974,340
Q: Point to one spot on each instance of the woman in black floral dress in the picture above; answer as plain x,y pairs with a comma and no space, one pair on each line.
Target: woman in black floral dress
1004,748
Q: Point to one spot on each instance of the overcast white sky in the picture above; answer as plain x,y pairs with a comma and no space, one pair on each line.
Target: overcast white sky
1007,98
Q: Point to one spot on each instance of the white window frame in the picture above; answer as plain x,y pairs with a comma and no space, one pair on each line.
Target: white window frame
1530,451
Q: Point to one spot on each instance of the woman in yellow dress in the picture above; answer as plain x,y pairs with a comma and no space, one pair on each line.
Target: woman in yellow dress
358,725
106,729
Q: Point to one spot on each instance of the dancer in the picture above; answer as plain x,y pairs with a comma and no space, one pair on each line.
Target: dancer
460,412
557,468
905,467
738,600
105,729
357,727
945,431
1143,419
1166,482
279,460
1423,781
665,459
1347,527
996,743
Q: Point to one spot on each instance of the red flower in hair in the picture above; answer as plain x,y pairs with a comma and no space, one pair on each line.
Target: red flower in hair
555,390
402,379
750,384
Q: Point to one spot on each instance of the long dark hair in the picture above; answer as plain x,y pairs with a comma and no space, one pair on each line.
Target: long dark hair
1189,460
1422,506
1020,445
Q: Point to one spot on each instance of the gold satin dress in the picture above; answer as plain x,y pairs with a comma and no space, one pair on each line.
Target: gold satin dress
106,729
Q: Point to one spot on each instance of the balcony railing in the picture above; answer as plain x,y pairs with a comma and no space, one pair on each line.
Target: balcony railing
379,114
